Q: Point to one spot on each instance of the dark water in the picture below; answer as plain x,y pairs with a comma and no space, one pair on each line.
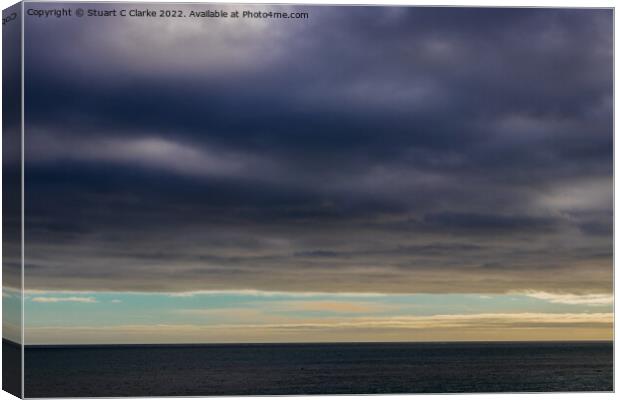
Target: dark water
318,369
11,367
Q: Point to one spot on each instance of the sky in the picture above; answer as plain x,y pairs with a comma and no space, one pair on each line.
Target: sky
366,174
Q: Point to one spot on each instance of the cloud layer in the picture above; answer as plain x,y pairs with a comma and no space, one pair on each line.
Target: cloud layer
366,149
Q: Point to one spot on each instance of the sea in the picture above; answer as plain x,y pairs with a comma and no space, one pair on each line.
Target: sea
306,369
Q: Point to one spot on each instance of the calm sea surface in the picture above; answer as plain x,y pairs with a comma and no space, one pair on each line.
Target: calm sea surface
317,369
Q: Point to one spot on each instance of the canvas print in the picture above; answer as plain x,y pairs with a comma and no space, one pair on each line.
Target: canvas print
253,199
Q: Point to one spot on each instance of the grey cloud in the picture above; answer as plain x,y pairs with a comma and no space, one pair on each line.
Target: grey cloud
366,149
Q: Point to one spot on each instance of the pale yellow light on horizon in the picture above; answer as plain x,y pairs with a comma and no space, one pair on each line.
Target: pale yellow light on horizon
444,328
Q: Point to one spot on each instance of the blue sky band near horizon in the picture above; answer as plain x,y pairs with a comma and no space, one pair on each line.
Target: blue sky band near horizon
382,170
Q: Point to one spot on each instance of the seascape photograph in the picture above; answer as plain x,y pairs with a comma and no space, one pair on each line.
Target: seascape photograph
255,199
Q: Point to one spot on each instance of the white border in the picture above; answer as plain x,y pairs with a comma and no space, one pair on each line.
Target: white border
23,216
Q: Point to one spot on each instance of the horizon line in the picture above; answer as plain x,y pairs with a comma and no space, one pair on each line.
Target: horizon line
206,344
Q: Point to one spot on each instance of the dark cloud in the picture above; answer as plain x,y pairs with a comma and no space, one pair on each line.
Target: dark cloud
372,149
489,223
11,149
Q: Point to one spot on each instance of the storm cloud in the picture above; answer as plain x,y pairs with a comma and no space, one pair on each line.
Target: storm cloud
363,149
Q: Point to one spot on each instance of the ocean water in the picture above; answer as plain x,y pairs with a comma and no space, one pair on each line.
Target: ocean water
352,368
